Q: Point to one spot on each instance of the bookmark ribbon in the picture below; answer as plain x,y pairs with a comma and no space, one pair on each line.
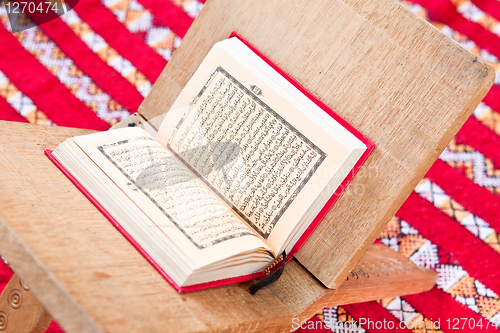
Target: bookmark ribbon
271,277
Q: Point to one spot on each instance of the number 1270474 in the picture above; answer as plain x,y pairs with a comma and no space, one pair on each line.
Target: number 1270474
470,323
30,7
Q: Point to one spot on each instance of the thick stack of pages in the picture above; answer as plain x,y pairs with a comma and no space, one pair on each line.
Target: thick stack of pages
241,166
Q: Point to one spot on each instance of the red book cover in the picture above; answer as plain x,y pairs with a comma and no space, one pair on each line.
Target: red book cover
369,144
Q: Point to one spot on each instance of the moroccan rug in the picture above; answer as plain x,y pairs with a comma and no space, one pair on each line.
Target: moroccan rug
95,64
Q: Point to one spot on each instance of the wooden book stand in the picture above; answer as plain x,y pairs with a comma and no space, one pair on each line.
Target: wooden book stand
390,74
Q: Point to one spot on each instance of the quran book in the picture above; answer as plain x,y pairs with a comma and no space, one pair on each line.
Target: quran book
244,166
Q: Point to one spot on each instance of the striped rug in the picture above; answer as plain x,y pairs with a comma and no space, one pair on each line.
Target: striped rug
95,64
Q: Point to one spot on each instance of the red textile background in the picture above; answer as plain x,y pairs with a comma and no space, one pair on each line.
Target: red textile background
93,66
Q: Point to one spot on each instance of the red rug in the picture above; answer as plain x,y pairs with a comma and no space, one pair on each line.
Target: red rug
93,66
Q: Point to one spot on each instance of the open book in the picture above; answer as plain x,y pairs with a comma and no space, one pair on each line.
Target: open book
244,166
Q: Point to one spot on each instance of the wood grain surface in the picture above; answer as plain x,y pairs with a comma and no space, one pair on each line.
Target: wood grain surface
91,279
397,79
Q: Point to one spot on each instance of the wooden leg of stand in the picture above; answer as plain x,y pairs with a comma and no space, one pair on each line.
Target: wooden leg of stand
381,273
20,311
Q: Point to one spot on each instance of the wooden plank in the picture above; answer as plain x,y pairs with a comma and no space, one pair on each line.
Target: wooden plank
90,279
20,312
401,82
381,271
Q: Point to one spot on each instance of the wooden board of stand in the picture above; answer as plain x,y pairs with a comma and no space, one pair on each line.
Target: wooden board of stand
380,273
90,279
401,82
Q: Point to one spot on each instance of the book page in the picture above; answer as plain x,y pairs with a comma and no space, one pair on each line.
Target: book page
246,153
252,146
174,190
173,198
254,142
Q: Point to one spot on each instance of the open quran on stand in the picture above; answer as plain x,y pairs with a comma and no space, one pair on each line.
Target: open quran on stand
244,166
